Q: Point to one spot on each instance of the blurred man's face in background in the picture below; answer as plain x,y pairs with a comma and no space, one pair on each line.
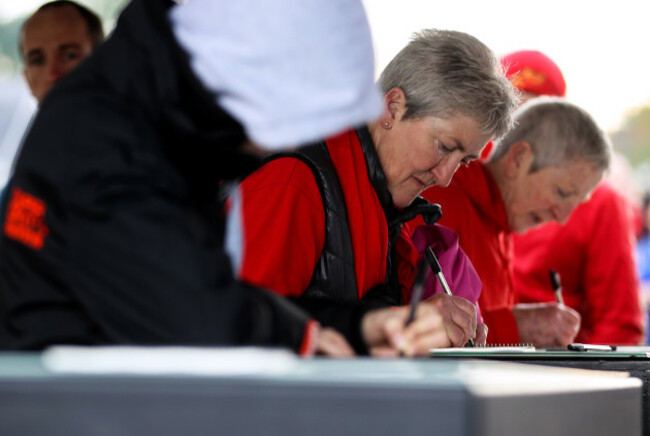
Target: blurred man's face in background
52,43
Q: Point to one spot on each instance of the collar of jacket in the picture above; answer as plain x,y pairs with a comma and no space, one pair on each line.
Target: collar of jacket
376,172
379,183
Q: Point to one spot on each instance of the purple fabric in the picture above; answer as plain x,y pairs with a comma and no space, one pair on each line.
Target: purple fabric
456,266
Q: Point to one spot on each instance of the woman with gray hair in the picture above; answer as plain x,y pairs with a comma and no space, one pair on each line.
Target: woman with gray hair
540,171
320,224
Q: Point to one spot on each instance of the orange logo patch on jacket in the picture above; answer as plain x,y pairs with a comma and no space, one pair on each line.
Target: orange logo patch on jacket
25,219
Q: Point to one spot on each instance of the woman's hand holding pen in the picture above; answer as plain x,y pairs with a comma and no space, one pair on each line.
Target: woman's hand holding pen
387,335
459,318
442,321
546,324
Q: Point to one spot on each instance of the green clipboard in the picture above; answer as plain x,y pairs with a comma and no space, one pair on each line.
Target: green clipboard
528,352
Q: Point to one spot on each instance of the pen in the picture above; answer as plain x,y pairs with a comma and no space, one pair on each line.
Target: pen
416,293
557,286
437,270
591,347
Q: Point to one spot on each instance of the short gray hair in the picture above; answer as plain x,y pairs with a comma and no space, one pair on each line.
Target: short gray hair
444,73
558,131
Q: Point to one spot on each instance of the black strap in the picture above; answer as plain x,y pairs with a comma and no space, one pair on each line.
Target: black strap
334,277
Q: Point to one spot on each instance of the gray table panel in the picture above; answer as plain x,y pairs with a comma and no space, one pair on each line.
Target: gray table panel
319,397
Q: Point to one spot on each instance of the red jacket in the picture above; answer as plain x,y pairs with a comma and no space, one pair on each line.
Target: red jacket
472,206
284,221
593,253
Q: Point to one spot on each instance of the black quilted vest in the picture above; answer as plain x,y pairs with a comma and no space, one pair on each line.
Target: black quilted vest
334,277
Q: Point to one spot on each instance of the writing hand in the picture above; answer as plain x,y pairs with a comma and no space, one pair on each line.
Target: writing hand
459,317
546,324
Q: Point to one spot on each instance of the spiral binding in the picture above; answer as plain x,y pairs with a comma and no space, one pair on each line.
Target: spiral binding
504,345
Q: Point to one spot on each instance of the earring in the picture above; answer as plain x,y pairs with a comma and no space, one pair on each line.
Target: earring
386,124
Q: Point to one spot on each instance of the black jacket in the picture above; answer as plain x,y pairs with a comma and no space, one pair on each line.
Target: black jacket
113,225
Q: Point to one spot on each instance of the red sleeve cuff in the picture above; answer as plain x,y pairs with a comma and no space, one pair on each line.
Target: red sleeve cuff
309,339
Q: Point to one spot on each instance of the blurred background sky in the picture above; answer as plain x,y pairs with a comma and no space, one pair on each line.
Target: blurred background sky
601,47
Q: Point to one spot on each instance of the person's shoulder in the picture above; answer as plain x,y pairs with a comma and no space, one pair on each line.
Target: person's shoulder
606,198
282,173
458,190
605,190
468,179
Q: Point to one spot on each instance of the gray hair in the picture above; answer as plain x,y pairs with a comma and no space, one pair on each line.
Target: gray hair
558,131
444,73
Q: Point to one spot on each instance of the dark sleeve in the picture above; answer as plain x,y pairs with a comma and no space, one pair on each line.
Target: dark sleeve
108,246
346,317
132,279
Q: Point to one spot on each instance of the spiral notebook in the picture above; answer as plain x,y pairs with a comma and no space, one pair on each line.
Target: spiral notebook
526,351
485,349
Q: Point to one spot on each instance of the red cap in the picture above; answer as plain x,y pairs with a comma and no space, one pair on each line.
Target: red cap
534,72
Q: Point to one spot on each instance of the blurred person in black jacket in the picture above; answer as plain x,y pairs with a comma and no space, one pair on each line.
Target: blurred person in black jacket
113,231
